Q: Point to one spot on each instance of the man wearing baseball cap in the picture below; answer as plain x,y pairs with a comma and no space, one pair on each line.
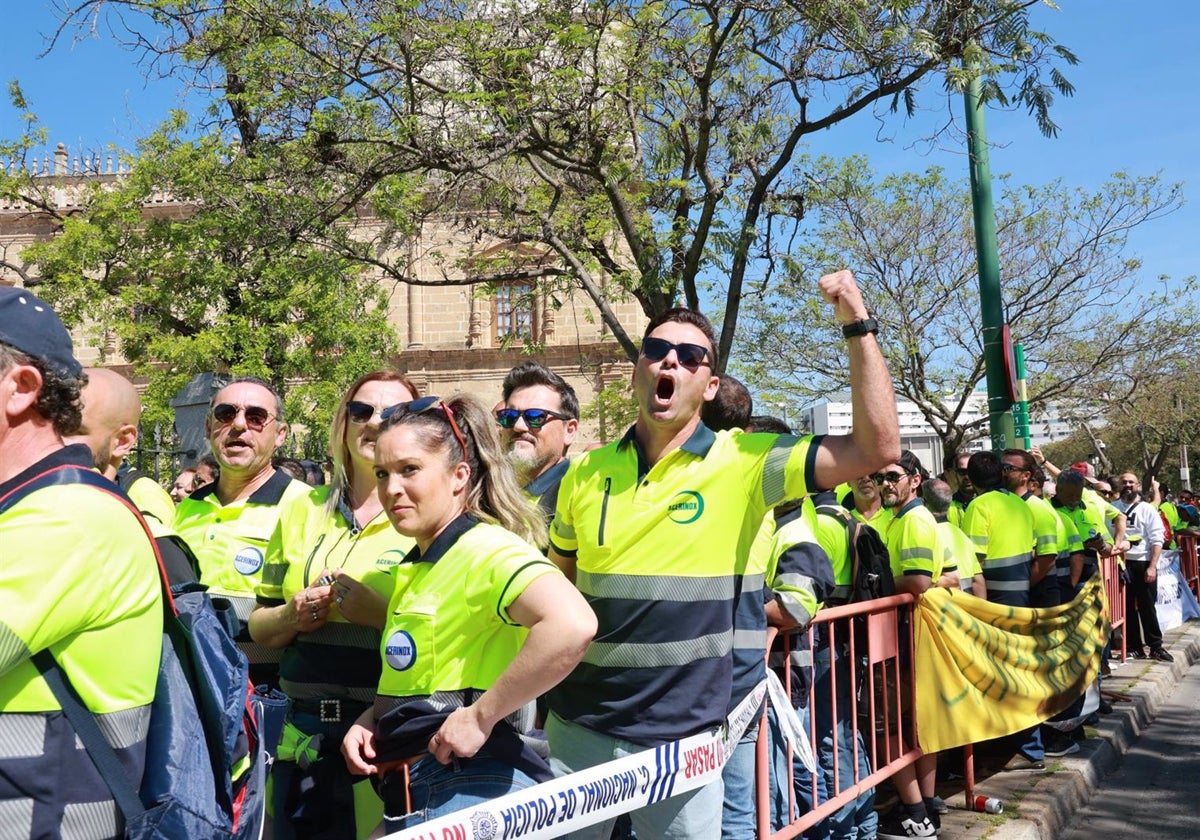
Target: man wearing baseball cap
79,581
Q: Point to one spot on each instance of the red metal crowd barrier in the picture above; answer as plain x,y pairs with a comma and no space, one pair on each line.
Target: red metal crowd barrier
881,714
1189,564
1114,590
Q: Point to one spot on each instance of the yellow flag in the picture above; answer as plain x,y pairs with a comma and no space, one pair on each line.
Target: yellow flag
984,670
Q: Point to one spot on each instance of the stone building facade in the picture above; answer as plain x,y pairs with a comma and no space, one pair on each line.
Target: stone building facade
453,337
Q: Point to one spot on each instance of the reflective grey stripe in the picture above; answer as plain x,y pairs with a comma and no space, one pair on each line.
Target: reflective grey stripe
22,735
773,469
1005,562
916,552
257,654
1007,585
750,639
343,634
90,821
12,649
657,655
794,607
274,573
242,605
802,658
1065,571
1047,540
125,728
753,583
320,691
16,819
657,587
980,542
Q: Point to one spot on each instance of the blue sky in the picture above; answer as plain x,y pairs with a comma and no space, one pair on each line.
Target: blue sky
1136,108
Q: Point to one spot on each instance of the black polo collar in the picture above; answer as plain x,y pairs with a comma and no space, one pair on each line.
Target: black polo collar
547,479
444,541
270,493
74,455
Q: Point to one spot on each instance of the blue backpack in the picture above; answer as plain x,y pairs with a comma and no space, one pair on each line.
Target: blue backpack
206,763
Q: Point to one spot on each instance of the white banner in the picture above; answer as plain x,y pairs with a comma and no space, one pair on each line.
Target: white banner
607,790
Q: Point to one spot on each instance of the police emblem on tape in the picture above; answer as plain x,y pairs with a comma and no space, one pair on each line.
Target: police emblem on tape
400,651
484,825
248,560
686,507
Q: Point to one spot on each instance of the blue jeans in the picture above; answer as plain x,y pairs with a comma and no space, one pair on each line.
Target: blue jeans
803,784
695,815
440,789
738,814
856,820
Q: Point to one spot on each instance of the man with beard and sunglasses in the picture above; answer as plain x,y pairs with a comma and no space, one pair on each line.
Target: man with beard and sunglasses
538,419
228,523
655,530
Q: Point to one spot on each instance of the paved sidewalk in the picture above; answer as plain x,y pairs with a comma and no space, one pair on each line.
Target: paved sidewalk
1039,806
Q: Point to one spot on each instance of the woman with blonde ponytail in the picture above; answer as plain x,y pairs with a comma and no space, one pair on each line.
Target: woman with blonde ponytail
480,622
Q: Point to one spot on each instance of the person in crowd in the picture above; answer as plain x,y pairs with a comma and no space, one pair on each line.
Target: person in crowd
1145,531
323,599
866,505
109,428
182,485
778,587
481,626
841,751
1000,525
538,419
1049,537
938,498
630,516
79,582
207,471
292,467
1100,506
228,523
955,471
1072,555
920,559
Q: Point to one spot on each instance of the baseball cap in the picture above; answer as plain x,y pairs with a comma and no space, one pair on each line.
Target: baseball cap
28,324
910,463
1083,467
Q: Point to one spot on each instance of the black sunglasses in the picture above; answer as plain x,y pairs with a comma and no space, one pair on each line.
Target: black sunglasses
691,356
1012,467
534,418
256,416
360,413
424,404
890,478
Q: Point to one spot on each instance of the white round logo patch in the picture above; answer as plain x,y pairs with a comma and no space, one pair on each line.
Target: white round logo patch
248,561
400,651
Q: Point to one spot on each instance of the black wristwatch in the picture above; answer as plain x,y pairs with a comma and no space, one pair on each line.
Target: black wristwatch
866,325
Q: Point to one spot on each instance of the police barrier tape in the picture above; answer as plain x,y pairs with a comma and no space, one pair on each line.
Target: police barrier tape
598,793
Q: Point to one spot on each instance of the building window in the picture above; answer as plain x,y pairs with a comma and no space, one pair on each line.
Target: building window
514,316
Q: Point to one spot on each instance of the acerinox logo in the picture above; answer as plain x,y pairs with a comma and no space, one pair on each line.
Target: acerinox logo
394,557
248,560
400,651
686,507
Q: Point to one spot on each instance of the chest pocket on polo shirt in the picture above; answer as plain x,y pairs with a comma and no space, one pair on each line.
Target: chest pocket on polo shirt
409,656
251,533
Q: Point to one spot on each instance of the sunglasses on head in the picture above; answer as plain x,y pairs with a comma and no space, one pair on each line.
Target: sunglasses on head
256,416
889,477
425,404
534,418
691,356
360,413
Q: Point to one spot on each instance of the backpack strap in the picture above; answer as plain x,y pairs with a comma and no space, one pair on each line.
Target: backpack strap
842,592
82,720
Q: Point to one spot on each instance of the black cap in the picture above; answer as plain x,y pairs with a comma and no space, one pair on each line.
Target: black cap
28,324
911,464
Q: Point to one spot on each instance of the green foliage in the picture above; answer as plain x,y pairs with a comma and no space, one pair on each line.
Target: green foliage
1070,290
643,144
613,411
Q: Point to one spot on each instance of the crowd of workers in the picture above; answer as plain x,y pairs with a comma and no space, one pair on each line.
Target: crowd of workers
461,610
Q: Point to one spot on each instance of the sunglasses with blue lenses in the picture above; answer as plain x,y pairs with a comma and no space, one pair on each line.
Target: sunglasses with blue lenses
425,404
534,418
691,356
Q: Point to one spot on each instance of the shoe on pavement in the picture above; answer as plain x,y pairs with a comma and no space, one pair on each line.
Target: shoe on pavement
1139,653
1060,746
1161,655
898,826
1020,762
1106,708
